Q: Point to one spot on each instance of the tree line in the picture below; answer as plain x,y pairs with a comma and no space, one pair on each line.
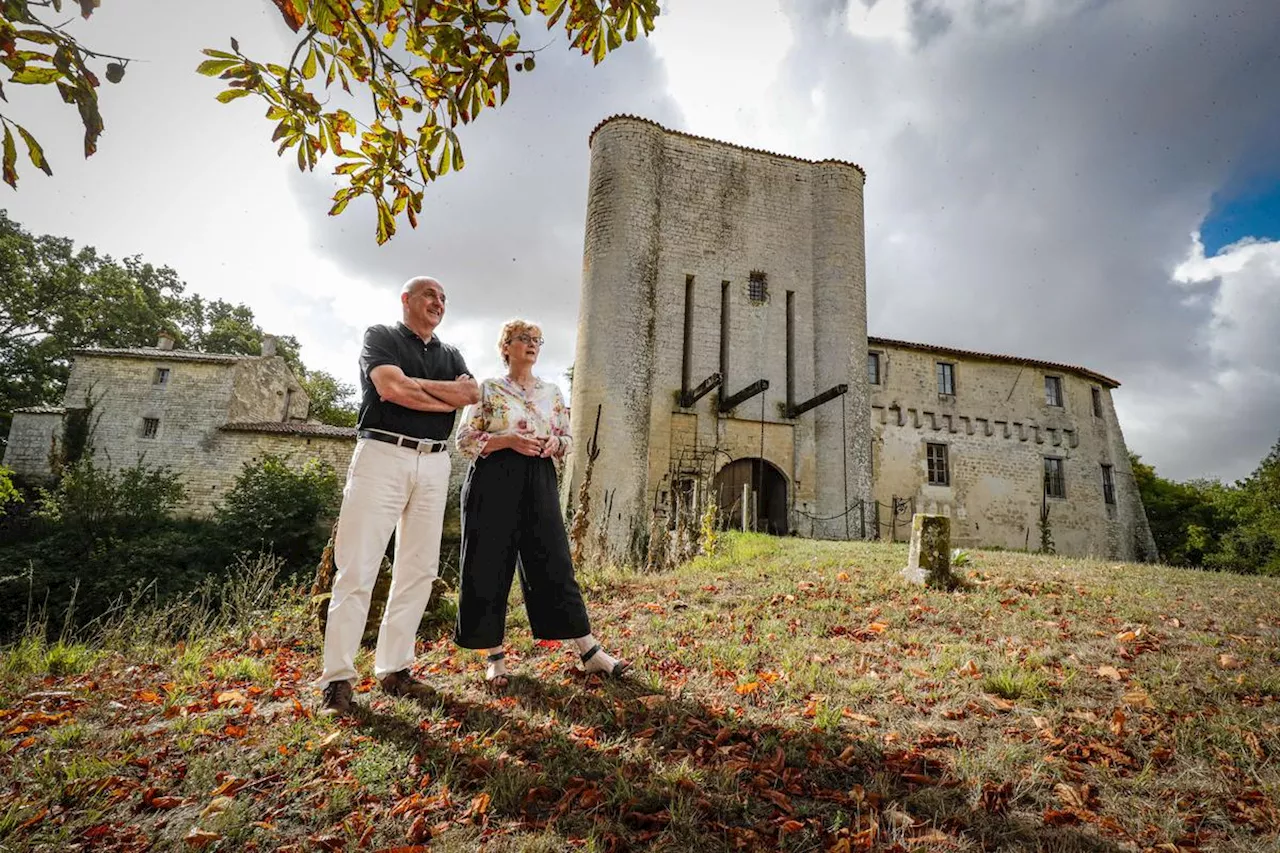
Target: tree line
1211,525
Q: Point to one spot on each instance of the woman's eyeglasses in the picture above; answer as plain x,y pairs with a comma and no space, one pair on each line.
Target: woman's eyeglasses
529,339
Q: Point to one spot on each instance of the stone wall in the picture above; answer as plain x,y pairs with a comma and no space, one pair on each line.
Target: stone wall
997,429
33,437
670,215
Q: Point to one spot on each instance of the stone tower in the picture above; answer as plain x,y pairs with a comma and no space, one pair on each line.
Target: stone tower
722,336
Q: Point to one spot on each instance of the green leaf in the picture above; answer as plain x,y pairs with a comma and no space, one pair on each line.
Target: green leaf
34,151
309,65
214,67
35,76
231,94
10,159
458,162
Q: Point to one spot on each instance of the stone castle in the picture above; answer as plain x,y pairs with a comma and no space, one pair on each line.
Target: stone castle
723,355
722,358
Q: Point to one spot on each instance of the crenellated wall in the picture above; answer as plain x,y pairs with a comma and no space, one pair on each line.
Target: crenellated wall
998,428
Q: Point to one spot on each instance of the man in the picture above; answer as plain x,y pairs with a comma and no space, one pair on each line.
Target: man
411,386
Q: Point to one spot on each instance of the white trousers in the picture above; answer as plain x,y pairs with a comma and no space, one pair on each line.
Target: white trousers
388,488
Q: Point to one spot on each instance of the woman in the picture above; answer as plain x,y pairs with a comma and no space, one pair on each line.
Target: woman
516,436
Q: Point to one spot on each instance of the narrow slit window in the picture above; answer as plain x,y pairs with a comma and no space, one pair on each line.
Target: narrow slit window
161,376
1108,485
873,368
938,464
1097,402
1054,483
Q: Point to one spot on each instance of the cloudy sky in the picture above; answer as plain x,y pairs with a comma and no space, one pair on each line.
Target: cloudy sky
1089,181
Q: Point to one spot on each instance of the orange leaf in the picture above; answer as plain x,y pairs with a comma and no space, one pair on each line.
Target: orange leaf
147,696
878,627
1117,722
290,13
842,576
235,731
791,826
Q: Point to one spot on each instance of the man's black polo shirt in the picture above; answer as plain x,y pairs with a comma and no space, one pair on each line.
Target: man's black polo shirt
433,359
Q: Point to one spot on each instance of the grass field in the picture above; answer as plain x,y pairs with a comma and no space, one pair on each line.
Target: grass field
787,695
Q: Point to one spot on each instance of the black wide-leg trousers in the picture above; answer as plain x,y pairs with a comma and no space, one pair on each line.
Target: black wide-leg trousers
510,507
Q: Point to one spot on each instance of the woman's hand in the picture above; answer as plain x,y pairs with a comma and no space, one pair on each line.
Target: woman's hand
523,444
551,447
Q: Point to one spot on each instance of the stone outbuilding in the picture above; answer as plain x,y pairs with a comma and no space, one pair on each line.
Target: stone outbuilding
202,415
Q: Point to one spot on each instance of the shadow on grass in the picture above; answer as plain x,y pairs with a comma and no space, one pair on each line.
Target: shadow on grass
632,769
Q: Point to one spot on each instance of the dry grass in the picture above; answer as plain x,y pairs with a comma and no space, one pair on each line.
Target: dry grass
788,694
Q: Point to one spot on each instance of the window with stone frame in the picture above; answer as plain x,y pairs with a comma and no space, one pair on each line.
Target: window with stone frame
1109,484
758,288
1097,402
1053,391
938,464
946,379
1055,483
874,362
161,376
150,427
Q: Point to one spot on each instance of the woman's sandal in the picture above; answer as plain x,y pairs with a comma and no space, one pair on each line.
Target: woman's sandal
619,668
497,684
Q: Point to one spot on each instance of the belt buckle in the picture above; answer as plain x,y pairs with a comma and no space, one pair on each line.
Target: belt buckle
427,445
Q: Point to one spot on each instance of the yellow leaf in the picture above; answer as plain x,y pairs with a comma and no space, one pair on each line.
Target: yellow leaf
1110,672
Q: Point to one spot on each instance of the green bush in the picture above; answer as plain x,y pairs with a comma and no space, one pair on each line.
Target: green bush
99,501
69,578
285,509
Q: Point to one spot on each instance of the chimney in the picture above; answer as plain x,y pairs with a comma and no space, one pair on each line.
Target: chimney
165,342
268,345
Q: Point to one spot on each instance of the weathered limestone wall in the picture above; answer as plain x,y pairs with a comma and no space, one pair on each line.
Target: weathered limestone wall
663,209
33,436
998,429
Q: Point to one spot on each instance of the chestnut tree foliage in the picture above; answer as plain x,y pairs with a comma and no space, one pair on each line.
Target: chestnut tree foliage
416,70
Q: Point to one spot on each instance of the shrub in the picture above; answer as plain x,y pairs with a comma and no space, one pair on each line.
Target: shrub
281,508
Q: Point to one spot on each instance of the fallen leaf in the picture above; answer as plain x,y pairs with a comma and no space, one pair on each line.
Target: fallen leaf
1117,722
216,807
230,697
970,669
899,818
1126,636
842,576
256,643
1227,661
1138,698
200,838
1110,672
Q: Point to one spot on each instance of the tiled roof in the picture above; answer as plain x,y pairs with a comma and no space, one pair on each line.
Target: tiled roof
156,354
718,142
292,428
987,356
41,410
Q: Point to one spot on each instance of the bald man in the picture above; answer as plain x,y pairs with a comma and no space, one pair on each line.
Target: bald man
411,387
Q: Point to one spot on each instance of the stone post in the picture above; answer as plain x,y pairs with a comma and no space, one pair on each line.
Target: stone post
929,560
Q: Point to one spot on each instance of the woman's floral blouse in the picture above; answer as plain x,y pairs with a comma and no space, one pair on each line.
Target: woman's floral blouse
505,407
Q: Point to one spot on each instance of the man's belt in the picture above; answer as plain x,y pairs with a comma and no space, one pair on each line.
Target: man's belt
422,445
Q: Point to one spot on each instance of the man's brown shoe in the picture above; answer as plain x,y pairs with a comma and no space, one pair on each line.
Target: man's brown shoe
337,700
403,684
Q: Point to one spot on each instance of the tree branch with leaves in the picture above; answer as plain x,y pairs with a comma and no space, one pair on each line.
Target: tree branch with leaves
427,67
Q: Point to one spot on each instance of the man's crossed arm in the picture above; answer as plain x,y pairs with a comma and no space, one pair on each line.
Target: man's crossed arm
423,395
